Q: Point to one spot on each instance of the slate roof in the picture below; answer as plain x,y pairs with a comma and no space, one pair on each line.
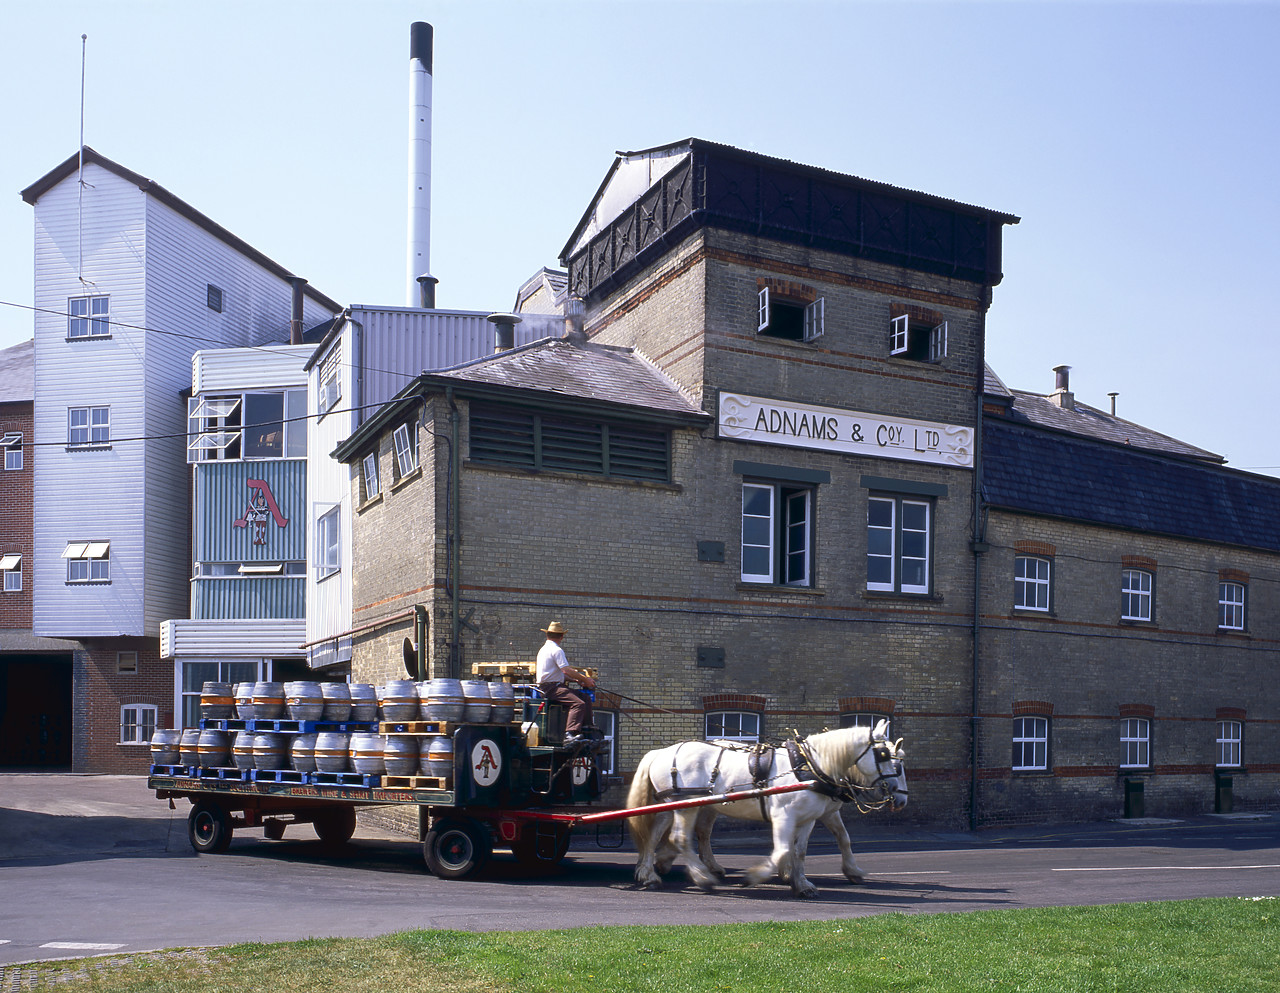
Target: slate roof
556,368
18,372
1059,475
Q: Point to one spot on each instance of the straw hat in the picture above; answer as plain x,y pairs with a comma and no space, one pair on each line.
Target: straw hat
555,627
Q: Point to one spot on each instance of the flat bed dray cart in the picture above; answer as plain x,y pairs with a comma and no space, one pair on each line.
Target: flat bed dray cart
503,793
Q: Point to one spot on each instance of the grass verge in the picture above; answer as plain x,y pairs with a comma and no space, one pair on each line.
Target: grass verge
1194,945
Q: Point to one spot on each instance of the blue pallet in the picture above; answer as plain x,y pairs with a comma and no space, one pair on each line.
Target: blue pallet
173,770
278,776
229,773
343,779
222,724
281,725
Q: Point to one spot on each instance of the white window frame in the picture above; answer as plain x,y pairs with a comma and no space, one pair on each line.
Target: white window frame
329,542
88,561
897,530
1030,737
1137,591
938,342
862,719
330,382
1135,743
733,725
815,315
11,566
89,317
1032,592
607,753
901,330
899,334
190,677
95,427
405,438
127,663
370,470
787,566
137,723
12,445
1230,744
1231,606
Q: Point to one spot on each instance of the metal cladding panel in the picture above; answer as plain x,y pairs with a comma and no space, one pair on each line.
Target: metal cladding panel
249,597
234,638
251,511
234,370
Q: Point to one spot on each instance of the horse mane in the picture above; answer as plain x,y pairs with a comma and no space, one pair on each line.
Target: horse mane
837,751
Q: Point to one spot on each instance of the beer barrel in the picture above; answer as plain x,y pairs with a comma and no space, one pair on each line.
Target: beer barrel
166,746
214,749
445,701
477,704
400,702
268,700
437,756
400,755
367,753
217,702
303,701
332,752
337,701
302,752
189,747
270,751
245,709
364,702
242,750
503,697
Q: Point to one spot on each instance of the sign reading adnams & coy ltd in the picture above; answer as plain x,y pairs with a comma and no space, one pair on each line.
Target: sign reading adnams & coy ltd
779,422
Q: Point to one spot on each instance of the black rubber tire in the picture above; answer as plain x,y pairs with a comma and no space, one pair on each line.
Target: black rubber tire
456,848
526,849
336,826
209,828
273,830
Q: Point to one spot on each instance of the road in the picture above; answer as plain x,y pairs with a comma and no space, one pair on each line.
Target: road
127,884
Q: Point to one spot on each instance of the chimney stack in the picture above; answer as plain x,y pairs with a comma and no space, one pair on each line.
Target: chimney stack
426,292
296,283
420,54
504,331
573,319
1062,395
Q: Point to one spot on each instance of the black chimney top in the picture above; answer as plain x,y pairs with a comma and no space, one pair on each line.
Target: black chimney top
420,43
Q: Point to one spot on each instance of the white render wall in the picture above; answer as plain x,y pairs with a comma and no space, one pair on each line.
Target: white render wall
155,265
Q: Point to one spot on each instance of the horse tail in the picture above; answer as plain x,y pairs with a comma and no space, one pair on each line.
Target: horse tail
641,794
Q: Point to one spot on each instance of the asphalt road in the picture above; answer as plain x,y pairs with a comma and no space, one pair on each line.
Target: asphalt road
96,865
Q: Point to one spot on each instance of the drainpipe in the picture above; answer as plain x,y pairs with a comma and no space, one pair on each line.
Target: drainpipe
979,547
420,629
455,527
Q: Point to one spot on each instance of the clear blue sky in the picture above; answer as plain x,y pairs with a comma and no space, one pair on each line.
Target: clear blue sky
1137,141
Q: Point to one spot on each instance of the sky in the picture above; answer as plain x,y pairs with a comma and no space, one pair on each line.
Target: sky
1137,141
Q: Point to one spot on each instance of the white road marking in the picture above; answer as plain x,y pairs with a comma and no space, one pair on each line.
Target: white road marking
1163,868
935,872
83,946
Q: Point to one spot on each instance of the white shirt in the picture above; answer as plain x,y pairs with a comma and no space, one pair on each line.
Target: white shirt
551,663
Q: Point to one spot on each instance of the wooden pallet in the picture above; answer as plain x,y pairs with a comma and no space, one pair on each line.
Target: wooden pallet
416,727
415,782
507,672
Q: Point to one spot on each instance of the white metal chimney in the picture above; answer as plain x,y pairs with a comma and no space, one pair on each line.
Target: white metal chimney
420,41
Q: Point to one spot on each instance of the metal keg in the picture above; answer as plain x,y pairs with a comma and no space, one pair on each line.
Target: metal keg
445,701
214,749
367,753
189,747
302,752
400,755
245,709
217,701
303,701
337,701
364,702
242,750
503,697
268,700
270,751
437,756
166,746
477,704
400,702
331,752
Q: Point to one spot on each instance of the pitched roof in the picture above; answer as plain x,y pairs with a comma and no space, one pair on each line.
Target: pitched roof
1055,474
18,372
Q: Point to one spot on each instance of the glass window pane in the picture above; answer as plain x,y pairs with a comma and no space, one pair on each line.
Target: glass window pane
915,516
757,501
755,561
879,570
755,531
880,513
263,426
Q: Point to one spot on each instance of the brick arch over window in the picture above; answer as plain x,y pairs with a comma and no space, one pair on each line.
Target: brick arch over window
787,289
1032,708
1230,714
1137,710
1138,562
1233,576
917,313
734,701
1035,548
866,705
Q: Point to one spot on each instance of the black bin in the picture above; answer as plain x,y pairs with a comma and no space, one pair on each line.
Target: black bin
1134,800
1223,795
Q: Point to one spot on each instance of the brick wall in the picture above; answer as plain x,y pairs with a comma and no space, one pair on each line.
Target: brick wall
100,691
16,514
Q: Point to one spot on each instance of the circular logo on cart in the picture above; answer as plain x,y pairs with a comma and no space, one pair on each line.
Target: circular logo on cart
581,770
486,762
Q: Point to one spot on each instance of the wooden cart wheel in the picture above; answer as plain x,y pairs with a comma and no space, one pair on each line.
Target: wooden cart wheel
336,826
456,848
209,828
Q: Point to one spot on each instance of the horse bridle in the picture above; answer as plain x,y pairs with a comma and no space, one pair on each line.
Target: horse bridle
883,755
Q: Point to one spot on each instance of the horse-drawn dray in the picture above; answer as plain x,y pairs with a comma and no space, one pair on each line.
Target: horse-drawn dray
520,786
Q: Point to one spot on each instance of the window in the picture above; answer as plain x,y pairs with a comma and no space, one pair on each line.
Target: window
923,339
371,488
406,442
195,674
1030,744
1136,594
1230,736
89,317
88,561
732,725
127,663
777,534
213,297
88,426
330,383
607,754
267,425
11,566
1031,583
327,531
1135,743
862,720
793,320
898,544
12,445
1231,606
520,439
137,723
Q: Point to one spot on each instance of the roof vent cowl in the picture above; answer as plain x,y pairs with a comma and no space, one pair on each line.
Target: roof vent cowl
1062,395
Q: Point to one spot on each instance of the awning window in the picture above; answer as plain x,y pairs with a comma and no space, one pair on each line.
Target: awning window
10,561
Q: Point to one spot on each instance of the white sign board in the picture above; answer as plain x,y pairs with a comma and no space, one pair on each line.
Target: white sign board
797,425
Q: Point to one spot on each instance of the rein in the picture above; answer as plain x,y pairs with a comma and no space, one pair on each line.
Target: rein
842,788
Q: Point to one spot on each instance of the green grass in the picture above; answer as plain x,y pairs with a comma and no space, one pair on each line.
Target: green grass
1196,945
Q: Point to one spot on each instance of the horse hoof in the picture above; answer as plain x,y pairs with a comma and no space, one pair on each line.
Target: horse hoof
808,894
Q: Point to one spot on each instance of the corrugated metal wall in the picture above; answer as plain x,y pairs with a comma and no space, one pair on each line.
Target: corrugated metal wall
249,597
223,495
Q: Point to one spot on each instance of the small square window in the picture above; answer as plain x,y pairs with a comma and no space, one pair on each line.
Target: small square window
1030,744
406,442
137,723
12,445
1137,592
88,561
11,566
214,298
1231,606
88,426
127,663
794,320
732,725
1031,583
917,338
1230,741
89,317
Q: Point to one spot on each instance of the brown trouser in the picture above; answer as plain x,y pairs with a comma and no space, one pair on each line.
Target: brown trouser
579,705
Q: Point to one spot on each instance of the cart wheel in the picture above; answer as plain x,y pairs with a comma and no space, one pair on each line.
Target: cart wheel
544,849
209,828
456,848
336,826
274,830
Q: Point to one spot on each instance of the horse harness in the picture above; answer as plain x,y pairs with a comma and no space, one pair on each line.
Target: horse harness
806,769
759,765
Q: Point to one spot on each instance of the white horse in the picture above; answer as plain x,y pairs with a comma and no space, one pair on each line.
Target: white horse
857,764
